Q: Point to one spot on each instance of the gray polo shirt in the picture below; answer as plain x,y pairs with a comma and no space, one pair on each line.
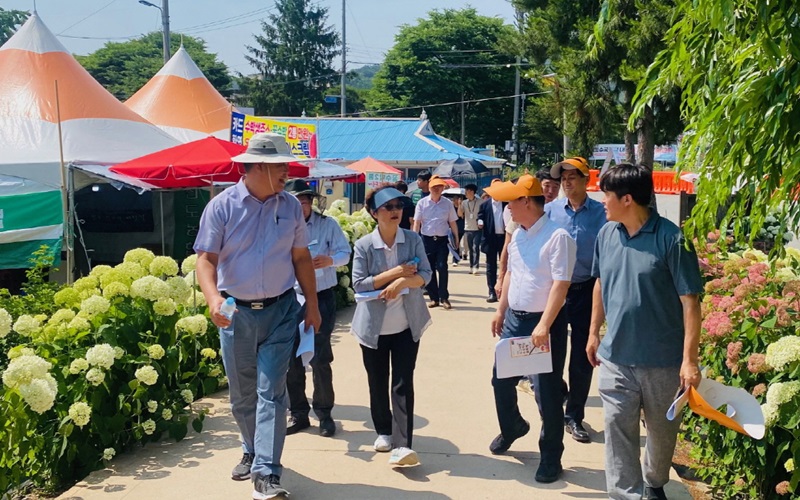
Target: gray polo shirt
642,279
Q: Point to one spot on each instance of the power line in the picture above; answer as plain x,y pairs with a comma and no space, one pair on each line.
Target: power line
436,105
99,37
238,17
85,18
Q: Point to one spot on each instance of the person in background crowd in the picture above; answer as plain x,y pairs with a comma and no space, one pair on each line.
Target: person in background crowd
389,329
329,249
550,188
252,245
469,211
456,195
490,221
650,349
433,217
582,217
423,188
408,206
541,261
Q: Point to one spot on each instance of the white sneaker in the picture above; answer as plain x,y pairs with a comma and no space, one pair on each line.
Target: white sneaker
404,456
383,443
475,271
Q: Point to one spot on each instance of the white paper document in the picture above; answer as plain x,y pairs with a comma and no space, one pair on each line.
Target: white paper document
518,357
375,294
305,350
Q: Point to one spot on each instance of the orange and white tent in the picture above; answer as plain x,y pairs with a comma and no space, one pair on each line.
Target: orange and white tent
180,100
96,127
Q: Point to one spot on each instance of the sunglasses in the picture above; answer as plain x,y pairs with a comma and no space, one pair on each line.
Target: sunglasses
392,206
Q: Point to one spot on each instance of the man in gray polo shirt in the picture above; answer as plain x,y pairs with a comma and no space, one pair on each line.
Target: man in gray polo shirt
250,246
647,289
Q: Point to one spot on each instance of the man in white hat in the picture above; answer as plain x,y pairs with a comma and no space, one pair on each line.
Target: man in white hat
251,246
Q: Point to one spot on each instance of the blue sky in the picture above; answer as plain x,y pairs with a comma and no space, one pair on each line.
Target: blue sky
228,26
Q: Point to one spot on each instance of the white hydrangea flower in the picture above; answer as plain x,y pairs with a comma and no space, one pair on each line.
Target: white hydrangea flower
755,255
39,394
95,376
155,351
94,305
771,414
193,325
344,281
343,269
131,271
5,323
27,325
191,280
166,414
61,316
20,350
196,298
164,306
150,288
187,396
68,297
180,290
189,264
118,352
78,365
80,324
146,375
98,271
86,283
782,392
783,352
149,426
351,295
163,266
785,274
115,289
101,355
80,413
152,406
208,353
215,372
140,256
24,369
109,453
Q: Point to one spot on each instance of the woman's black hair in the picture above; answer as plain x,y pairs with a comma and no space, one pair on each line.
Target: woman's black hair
635,180
369,201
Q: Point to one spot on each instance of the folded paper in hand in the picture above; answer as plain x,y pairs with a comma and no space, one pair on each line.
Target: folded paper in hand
305,350
518,357
375,294
743,413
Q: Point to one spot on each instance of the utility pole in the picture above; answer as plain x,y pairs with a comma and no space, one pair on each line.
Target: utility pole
343,110
165,28
515,126
463,119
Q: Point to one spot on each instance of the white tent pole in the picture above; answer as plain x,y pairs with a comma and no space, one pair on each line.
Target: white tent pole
64,190
163,240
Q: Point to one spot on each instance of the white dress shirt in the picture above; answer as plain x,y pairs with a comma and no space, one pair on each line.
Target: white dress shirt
497,212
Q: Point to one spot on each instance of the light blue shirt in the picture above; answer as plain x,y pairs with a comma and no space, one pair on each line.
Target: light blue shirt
325,237
435,217
583,225
253,240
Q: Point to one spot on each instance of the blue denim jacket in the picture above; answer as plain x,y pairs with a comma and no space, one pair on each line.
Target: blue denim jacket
369,262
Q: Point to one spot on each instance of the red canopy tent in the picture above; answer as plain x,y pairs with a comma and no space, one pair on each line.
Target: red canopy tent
370,164
194,164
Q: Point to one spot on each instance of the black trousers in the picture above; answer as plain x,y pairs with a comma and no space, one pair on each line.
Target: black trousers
398,351
494,245
474,244
323,396
437,252
579,315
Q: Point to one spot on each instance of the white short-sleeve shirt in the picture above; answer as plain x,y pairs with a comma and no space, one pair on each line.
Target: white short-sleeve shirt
536,258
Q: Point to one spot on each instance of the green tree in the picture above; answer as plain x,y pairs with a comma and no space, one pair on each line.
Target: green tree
124,67
10,20
738,67
294,58
361,78
450,56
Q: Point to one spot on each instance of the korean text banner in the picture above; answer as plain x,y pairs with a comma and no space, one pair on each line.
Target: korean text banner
302,139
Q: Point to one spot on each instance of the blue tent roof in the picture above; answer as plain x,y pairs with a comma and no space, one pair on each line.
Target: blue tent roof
400,142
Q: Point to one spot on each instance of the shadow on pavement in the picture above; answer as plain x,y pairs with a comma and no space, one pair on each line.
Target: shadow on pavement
305,487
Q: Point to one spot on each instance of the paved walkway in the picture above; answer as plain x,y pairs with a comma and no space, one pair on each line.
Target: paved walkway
455,422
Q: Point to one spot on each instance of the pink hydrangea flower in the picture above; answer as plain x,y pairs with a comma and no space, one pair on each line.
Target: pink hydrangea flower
717,324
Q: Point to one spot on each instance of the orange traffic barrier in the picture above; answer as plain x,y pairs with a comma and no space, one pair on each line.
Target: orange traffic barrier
663,183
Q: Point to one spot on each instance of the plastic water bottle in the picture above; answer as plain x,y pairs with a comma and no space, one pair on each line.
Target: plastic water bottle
228,308
413,262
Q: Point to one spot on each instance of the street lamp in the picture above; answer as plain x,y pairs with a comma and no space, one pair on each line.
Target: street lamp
164,24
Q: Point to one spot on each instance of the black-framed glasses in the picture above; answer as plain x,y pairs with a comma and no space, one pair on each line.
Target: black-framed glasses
392,206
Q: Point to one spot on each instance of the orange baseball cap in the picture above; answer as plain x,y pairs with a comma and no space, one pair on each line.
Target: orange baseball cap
574,163
526,185
437,181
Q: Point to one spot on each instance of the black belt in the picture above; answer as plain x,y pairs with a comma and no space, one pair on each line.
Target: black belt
258,303
583,284
434,238
524,314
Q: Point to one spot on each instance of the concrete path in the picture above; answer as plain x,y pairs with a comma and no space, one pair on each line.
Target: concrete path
455,422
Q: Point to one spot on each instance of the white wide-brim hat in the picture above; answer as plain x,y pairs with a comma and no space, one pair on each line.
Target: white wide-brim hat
267,147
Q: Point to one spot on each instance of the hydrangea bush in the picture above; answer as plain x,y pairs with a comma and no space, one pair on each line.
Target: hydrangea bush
751,315
355,226
91,369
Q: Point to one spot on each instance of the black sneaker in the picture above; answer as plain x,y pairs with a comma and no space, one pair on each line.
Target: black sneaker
501,445
651,493
242,471
327,427
265,487
297,424
548,473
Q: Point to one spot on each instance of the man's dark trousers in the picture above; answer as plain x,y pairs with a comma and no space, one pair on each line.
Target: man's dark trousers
474,245
437,252
579,315
547,387
493,243
322,399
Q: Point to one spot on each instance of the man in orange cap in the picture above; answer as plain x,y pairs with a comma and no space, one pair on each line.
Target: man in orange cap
541,257
434,216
